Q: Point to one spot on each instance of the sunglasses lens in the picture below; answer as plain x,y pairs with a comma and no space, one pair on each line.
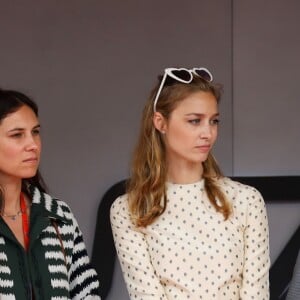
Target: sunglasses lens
203,74
183,75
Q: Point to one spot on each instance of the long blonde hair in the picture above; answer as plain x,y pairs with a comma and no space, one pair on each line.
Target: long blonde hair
146,186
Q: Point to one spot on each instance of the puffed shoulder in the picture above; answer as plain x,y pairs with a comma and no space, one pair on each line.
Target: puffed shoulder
246,200
237,190
120,205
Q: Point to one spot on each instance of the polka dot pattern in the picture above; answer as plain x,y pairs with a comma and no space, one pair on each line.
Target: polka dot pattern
191,252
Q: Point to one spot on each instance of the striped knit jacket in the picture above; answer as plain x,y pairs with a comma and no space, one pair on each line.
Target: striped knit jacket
47,270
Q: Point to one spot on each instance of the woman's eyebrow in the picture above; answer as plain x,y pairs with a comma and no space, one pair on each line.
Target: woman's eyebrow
21,128
201,115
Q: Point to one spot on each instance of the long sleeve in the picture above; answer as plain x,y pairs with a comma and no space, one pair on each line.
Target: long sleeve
132,249
83,278
255,284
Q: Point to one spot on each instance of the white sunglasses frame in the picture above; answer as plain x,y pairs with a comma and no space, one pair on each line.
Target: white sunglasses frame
169,72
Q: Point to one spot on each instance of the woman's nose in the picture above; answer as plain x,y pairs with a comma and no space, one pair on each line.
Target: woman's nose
32,143
205,132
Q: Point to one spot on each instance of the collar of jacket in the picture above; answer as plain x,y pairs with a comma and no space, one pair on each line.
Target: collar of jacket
48,206
43,209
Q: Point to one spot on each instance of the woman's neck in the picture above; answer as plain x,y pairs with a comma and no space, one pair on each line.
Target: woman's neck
11,194
184,173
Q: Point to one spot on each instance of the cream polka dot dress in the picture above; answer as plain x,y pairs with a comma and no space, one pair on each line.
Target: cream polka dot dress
190,252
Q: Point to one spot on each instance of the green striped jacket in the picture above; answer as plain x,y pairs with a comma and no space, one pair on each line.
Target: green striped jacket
44,271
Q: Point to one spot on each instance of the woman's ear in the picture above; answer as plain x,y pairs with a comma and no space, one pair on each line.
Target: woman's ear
159,122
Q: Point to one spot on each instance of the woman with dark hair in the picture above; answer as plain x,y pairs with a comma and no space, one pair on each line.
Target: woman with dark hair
42,253
183,230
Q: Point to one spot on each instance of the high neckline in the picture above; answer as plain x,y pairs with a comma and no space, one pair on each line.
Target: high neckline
199,183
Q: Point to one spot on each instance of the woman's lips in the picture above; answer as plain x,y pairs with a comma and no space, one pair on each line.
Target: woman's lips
204,148
31,159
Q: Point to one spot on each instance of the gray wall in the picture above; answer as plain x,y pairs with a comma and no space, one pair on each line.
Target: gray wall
90,66
266,87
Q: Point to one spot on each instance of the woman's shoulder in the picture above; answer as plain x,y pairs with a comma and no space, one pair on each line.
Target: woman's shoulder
246,200
120,204
236,189
120,215
47,199
51,204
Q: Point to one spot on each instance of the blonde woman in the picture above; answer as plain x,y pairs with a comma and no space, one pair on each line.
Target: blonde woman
183,230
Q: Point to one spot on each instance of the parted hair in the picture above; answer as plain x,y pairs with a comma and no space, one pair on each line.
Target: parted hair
10,102
146,187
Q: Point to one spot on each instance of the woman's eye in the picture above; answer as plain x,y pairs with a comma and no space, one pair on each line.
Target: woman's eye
16,135
36,132
215,121
195,121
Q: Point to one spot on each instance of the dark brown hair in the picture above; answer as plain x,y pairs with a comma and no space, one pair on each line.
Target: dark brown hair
10,102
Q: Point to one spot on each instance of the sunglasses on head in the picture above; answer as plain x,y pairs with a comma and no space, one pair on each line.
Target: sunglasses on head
182,75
